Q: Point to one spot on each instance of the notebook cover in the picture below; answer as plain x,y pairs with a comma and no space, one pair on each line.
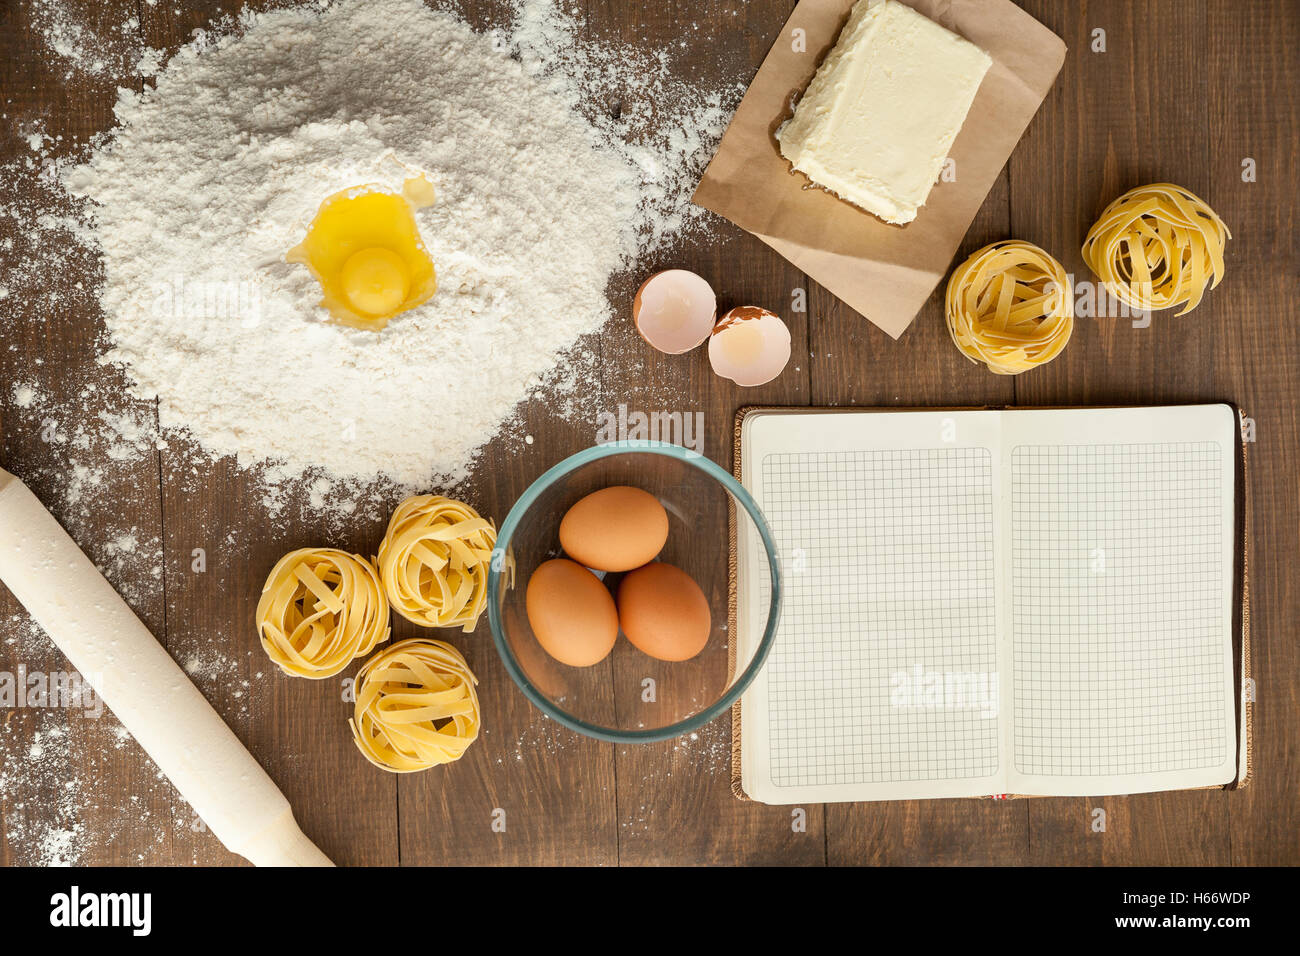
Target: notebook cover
1241,658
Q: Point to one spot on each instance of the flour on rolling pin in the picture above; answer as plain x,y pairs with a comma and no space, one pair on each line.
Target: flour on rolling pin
146,690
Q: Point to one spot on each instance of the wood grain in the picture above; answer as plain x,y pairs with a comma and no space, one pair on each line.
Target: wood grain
1143,111
1252,113
120,812
1184,91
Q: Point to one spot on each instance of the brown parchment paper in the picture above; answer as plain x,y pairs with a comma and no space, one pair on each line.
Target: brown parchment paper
885,272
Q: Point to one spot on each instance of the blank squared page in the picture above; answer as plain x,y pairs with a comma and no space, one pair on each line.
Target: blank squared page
889,578
1117,608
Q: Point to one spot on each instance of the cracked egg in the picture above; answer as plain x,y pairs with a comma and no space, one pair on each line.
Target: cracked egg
365,250
749,345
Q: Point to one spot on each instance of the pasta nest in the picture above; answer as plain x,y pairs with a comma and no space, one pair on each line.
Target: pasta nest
1157,247
1010,306
416,706
434,561
320,609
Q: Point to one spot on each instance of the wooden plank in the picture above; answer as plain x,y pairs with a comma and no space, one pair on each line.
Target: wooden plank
219,544
675,801
552,788
1252,114
75,788
298,729
1119,118
675,804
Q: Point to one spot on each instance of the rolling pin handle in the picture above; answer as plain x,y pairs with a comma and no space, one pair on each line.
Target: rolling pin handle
283,844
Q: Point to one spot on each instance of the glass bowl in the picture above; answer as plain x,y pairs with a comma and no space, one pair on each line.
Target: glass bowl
630,697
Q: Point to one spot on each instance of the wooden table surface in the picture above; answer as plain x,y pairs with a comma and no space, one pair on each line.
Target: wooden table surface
1186,91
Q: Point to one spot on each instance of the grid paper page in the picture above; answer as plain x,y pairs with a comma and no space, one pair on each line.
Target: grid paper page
1117,608
889,588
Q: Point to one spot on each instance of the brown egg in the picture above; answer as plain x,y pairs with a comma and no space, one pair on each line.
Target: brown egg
571,613
615,529
663,612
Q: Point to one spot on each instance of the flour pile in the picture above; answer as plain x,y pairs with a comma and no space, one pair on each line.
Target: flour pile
215,172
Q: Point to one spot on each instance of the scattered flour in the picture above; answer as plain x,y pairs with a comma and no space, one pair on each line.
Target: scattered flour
53,814
542,735
83,48
216,673
25,396
89,476
558,160
42,824
217,170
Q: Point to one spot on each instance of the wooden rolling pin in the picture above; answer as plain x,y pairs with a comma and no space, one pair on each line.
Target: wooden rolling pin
152,697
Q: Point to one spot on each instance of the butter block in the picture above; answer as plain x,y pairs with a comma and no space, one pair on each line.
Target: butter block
878,120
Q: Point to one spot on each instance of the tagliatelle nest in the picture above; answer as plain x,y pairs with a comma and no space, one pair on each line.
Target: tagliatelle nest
1157,247
416,707
320,609
434,561
1010,306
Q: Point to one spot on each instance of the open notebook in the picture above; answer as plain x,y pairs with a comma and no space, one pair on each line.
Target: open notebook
991,602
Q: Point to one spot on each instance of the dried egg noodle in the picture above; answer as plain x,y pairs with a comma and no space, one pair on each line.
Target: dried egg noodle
434,561
1156,247
320,609
416,707
1010,306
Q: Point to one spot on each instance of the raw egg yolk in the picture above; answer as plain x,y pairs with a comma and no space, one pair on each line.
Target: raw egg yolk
364,248
375,281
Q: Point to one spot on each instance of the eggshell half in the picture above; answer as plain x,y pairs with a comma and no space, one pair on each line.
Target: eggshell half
750,346
675,310
571,613
663,612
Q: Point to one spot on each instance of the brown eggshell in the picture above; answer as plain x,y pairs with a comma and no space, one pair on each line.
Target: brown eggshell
663,612
694,323
750,346
571,613
615,529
